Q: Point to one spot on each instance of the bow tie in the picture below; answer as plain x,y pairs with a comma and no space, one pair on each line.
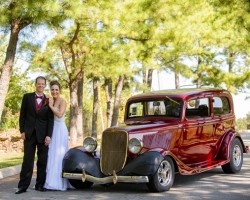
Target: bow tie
39,97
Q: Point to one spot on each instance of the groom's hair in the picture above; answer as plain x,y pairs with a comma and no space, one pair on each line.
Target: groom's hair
41,77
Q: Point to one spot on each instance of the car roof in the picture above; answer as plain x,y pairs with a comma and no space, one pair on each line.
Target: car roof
180,93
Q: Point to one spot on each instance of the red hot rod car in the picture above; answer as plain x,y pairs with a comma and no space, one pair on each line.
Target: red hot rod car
186,131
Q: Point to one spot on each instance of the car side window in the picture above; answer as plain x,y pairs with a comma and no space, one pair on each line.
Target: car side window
221,105
136,109
198,108
173,107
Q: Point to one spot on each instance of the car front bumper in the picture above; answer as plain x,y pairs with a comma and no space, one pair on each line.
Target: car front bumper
104,180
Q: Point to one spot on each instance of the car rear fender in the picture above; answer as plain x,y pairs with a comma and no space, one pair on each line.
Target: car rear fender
223,153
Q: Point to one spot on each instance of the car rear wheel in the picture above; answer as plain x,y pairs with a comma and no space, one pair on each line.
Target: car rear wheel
163,179
78,184
236,158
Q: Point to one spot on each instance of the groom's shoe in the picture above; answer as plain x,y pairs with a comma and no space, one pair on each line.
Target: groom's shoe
40,188
20,190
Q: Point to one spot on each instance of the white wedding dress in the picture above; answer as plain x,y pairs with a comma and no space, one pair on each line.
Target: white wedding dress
57,149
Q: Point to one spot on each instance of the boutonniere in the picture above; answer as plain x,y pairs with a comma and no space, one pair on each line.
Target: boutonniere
46,102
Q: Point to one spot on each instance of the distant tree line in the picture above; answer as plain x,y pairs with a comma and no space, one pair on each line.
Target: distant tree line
104,51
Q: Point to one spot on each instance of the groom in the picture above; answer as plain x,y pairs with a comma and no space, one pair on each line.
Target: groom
36,125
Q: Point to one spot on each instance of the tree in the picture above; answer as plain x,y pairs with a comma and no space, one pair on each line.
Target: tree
66,52
232,37
97,44
18,15
241,124
18,86
109,97
248,119
96,90
117,100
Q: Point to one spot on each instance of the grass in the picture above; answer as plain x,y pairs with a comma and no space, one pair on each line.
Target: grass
10,159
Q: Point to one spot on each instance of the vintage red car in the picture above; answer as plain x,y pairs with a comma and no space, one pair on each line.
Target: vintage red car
186,131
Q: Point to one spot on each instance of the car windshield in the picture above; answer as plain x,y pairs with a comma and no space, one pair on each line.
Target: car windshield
158,107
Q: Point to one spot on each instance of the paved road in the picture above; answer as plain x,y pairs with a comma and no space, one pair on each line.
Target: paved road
209,185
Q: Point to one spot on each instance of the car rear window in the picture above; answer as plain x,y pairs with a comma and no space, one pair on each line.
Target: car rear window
221,105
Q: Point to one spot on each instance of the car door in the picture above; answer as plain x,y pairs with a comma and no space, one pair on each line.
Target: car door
223,118
197,134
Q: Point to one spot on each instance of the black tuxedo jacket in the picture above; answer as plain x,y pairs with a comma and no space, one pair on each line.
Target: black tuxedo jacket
29,121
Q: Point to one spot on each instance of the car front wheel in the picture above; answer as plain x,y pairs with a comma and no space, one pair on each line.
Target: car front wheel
163,179
236,158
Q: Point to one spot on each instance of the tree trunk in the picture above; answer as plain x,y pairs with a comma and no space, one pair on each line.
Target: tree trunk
230,59
73,113
149,79
158,78
101,114
177,80
95,107
117,101
75,73
86,123
6,69
80,106
108,90
198,82
144,76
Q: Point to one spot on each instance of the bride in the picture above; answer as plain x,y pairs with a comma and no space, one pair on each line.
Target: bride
59,141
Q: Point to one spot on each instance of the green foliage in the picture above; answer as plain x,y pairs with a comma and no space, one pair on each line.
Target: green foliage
32,11
248,118
155,35
2,48
205,41
9,119
18,86
243,123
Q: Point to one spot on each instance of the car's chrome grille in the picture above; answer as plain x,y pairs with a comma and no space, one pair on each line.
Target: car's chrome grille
113,151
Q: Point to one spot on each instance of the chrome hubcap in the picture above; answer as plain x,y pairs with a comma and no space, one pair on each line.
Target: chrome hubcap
237,155
164,173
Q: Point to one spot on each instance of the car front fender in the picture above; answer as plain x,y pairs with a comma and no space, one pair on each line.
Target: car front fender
145,164
76,160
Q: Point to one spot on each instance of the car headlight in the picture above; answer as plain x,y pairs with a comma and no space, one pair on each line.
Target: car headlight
90,144
135,145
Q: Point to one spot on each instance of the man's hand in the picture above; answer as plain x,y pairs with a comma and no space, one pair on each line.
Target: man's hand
23,136
47,140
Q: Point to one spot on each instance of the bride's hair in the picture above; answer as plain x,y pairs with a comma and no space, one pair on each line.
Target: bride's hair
55,83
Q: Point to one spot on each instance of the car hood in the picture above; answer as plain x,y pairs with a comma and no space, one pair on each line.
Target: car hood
144,126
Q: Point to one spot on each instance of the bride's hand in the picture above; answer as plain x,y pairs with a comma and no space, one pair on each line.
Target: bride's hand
51,102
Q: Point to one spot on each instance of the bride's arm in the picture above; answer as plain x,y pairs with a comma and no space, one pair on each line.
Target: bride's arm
62,108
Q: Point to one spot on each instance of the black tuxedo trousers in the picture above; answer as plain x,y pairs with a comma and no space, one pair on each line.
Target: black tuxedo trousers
30,146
